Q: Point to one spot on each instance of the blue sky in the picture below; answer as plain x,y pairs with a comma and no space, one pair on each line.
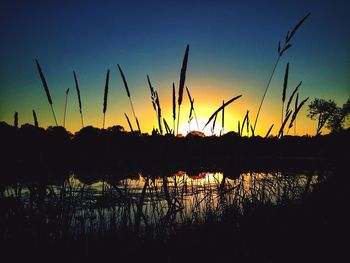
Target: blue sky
232,50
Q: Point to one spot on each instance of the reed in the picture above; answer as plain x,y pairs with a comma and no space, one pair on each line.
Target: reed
269,131
128,93
105,97
285,84
223,119
79,99
292,96
174,108
35,119
295,107
65,109
130,126
191,108
156,104
296,112
246,119
190,117
281,131
220,108
168,130
15,119
182,84
46,88
280,51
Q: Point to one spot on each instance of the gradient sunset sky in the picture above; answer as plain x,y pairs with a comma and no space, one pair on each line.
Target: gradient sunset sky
233,46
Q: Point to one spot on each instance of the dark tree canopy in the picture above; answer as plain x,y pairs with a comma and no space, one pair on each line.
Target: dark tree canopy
328,114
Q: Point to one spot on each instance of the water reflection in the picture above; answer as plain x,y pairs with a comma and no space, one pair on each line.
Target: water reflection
146,203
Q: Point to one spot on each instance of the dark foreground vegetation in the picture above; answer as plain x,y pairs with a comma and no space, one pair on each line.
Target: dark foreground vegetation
310,228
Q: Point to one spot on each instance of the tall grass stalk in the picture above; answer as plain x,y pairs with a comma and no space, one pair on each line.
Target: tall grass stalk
15,119
36,124
280,51
105,97
269,131
79,99
130,126
65,108
285,85
296,112
46,88
156,104
182,84
174,108
128,93
223,119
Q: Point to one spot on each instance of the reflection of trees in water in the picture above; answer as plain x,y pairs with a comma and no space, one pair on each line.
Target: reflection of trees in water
157,205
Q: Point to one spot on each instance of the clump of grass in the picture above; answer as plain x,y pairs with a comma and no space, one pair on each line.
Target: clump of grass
36,124
105,97
79,98
182,84
280,50
46,88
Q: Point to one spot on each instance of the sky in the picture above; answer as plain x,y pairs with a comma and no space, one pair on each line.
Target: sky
233,47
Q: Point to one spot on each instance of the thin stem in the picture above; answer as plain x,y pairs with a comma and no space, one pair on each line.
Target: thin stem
65,110
178,118
195,116
104,117
53,112
267,87
133,112
82,122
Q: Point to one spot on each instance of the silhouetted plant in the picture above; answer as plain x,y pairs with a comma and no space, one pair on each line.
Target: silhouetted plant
130,126
36,124
105,97
327,112
174,107
280,51
65,109
79,98
156,104
15,119
269,131
285,84
128,93
296,112
46,88
220,108
182,84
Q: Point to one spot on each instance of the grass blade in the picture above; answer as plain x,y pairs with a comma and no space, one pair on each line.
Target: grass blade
220,108
269,131
36,124
130,126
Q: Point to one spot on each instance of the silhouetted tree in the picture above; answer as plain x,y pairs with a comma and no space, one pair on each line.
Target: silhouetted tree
328,114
